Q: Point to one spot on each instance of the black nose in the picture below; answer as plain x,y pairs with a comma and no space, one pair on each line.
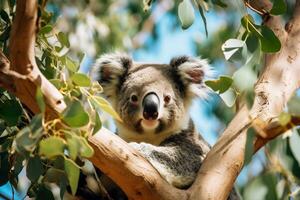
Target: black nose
150,105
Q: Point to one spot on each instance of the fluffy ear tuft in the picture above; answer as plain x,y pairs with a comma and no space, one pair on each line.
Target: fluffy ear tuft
109,70
193,72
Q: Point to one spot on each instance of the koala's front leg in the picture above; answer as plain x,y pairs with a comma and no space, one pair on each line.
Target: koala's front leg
170,162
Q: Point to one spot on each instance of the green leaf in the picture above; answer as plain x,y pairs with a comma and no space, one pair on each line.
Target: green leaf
96,88
25,142
294,142
252,42
186,13
18,164
201,11
269,41
4,16
40,99
98,124
57,83
220,85
72,172
44,193
229,97
54,175
63,39
34,168
5,34
248,23
75,115
46,29
279,7
219,3
73,146
5,145
232,48
284,118
249,149
59,177
81,80
104,105
10,111
4,168
71,65
244,78
85,149
262,187
52,146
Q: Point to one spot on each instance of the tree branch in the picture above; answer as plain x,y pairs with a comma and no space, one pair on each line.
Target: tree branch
129,169
123,164
22,57
277,83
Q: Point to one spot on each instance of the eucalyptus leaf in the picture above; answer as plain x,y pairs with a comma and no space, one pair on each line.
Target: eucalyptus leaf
34,168
46,29
75,115
269,41
40,99
229,97
279,7
98,123
10,111
85,149
201,11
294,142
284,118
52,146
220,85
4,168
232,48
186,13
219,3
73,146
4,16
71,65
72,171
44,193
63,39
104,105
262,187
81,80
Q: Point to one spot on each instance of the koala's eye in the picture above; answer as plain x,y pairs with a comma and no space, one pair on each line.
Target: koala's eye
167,99
134,98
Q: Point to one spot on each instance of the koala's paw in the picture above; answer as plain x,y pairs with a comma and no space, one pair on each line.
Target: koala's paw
144,148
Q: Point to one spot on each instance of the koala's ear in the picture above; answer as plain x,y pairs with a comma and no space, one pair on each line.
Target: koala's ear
109,71
192,73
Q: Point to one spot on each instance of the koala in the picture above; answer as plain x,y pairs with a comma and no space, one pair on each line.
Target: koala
153,102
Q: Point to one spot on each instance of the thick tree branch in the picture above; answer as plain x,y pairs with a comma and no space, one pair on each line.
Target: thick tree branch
129,169
277,83
123,164
22,57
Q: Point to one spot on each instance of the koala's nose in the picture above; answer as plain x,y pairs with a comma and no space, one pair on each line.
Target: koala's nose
150,106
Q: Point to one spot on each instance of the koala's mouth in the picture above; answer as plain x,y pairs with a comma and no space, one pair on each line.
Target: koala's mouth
149,124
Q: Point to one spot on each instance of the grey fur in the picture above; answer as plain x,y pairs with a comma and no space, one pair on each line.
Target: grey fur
174,147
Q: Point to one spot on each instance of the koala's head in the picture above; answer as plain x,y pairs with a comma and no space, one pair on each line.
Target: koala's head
151,99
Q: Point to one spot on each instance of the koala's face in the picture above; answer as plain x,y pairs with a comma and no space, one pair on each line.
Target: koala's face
151,99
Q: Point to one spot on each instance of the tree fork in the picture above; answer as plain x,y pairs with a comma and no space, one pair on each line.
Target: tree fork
132,172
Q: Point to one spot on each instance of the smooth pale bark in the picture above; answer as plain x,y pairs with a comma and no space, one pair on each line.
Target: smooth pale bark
135,175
